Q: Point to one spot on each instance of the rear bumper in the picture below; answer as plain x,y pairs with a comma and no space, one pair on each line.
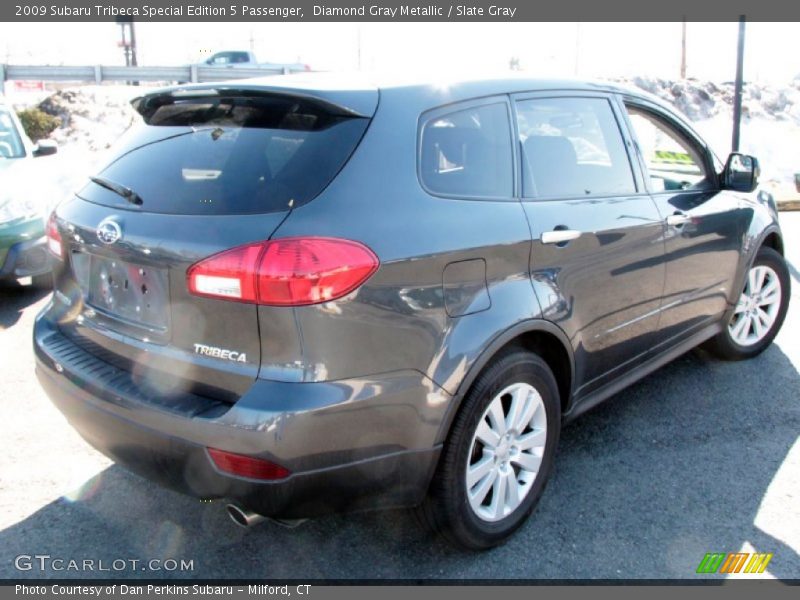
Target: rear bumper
27,258
354,445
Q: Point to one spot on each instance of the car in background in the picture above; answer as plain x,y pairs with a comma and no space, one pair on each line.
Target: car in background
244,59
23,244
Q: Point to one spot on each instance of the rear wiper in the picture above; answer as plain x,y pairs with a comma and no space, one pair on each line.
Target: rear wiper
118,189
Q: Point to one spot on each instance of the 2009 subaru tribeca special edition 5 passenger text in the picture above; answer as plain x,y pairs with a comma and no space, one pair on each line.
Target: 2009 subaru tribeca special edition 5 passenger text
306,295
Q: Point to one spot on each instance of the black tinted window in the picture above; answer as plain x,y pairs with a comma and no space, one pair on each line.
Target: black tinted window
229,156
572,147
468,153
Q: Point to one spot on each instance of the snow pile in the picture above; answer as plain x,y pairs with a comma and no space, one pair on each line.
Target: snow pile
92,117
770,128
700,100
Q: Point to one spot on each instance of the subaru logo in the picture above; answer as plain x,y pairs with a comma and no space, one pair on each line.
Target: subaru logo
109,231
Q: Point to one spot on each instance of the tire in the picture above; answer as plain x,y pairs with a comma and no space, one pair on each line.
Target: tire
515,379
741,339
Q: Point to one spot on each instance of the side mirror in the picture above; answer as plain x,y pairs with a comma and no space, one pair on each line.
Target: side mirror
741,173
45,148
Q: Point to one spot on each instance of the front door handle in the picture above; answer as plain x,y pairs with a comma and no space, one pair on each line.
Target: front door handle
678,219
560,236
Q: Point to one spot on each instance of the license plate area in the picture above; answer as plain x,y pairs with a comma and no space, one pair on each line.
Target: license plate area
133,294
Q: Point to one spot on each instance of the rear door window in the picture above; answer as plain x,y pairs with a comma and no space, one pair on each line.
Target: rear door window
572,147
219,156
468,152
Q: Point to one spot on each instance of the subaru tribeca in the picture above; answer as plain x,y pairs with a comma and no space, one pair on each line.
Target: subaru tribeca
307,294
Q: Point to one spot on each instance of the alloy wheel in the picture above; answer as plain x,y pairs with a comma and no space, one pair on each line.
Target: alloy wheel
506,452
757,308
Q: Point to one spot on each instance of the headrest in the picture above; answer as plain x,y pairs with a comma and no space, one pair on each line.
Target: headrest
549,149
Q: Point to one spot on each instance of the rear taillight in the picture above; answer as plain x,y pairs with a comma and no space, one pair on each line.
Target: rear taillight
54,237
246,466
285,272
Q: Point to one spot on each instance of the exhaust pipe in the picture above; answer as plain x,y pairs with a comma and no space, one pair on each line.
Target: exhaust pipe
243,517
247,518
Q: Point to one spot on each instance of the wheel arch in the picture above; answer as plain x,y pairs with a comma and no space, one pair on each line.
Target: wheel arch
722,344
542,337
772,239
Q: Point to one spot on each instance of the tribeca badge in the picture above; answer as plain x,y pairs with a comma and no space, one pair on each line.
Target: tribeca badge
734,562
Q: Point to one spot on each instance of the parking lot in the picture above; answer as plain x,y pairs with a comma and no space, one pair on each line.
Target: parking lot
702,456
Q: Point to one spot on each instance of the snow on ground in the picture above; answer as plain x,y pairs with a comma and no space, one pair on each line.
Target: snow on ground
93,117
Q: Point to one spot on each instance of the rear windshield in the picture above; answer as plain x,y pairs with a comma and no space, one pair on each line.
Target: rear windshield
214,156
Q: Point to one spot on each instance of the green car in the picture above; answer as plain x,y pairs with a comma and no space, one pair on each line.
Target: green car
23,244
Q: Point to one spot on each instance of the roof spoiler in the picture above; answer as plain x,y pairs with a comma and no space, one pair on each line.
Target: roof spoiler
358,103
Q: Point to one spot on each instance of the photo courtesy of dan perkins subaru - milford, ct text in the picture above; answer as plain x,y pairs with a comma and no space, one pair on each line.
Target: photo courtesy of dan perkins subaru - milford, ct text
158,590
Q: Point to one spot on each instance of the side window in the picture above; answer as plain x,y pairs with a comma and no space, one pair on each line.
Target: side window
572,147
673,162
468,153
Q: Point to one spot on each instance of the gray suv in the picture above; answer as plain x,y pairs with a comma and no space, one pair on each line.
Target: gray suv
307,294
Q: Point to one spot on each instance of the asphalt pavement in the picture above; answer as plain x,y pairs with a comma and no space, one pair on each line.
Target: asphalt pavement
701,456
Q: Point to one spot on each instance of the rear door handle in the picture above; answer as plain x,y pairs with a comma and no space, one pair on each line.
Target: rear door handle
560,236
678,219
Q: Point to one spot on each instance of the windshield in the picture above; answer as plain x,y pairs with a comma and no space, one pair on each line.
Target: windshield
11,145
229,156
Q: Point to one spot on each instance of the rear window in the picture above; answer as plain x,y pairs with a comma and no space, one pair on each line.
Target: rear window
213,156
468,153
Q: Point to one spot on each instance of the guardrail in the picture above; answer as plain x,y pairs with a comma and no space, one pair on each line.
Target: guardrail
99,73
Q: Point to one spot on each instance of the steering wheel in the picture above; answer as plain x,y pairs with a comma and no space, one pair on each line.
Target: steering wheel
6,150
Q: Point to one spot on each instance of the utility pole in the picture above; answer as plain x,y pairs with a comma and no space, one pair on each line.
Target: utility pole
358,47
737,92
123,43
683,49
134,61
128,42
